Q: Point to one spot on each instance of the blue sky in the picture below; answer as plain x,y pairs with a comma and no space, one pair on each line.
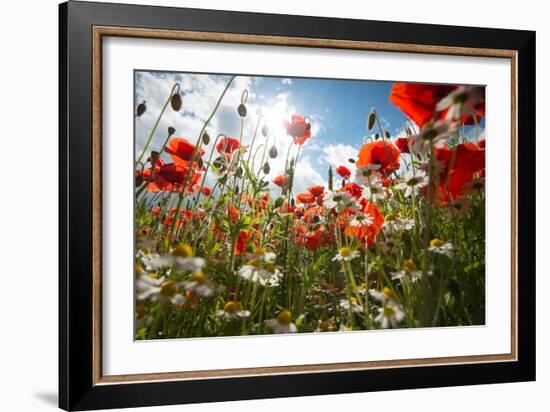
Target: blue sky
338,110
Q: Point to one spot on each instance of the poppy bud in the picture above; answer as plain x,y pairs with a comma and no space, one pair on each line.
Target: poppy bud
409,132
236,189
154,157
308,124
175,102
200,163
242,110
141,109
205,138
343,182
372,119
273,152
266,168
171,131
377,136
351,160
292,202
139,180
265,131
239,172
387,134
316,219
218,162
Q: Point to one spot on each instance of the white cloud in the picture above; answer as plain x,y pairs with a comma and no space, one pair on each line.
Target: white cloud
338,155
286,81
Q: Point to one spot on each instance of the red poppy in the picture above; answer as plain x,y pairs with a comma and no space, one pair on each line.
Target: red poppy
228,145
232,212
404,143
181,150
418,101
353,189
298,128
240,246
481,144
316,190
281,180
312,239
343,171
459,166
206,191
367,233
305,198
380,153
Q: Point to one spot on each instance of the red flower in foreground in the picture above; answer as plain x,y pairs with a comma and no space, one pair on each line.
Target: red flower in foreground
353,189
343,171
418,101
459,166
182,150
206,191
367,233
298,128
305,198
240,246
280,180
316,190
404,144
228,145
172,176
381,153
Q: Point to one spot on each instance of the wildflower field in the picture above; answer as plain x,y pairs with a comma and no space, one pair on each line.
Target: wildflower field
243,230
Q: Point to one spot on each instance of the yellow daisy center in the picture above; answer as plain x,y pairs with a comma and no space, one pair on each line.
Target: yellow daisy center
284,317
436,243
388,292
388,311
390,218
197,277
345,252
233,306
182,250
409,265
169,288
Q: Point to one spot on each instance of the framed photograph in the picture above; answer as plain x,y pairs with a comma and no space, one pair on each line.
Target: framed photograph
257,205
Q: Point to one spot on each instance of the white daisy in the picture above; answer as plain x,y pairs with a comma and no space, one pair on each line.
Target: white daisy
393,224
345,254
435,133
413,182
282,323
346,304
457,208
441,247
267,275
361,219
374,191
367,174
461,102
408,274
340,201
390,314
233,310
201,286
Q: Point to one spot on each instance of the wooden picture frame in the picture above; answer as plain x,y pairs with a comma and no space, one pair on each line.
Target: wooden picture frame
82,385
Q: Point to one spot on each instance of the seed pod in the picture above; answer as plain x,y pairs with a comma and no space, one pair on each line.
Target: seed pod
141,109
387,134
200,163
266,168
292,202
343,182
154,157
265,131
372,119
351,160
273,152
242,110
171,131
139,180
176,102
377,136
236,189
205,138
